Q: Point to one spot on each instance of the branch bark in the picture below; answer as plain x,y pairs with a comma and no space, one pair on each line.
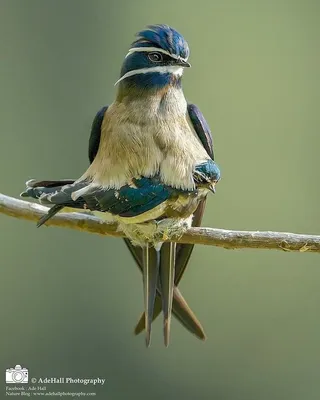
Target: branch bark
208,236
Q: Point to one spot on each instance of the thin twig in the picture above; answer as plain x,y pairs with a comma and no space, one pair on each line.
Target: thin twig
213,237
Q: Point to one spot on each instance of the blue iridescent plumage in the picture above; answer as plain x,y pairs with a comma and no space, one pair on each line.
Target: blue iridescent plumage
174,52
206,173
164,37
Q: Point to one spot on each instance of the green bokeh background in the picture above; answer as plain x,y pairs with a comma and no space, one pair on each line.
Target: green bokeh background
69,300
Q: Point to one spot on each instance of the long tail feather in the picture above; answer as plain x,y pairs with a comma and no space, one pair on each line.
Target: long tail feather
182,313
167,270
180,309
150,279
186,316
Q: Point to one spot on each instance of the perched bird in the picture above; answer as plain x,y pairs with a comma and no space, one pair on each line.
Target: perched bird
151,168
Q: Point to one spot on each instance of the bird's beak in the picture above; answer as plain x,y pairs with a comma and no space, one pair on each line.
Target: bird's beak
183,63
212,187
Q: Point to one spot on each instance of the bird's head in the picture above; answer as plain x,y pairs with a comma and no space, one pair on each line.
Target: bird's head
156,59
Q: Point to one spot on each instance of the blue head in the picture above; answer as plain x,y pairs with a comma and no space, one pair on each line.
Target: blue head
155,60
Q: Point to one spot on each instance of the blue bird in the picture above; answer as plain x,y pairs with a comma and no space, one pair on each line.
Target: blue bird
151,168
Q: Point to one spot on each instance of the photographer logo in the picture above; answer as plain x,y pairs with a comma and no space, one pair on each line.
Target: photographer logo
17,375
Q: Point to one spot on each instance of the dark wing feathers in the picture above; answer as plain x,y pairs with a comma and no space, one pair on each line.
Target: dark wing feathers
128,201
55,193
201,128
96,133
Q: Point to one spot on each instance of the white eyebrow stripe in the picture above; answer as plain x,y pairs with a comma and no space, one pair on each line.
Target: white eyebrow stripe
137,49
162,69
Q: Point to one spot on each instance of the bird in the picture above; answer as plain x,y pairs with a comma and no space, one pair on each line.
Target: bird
151,169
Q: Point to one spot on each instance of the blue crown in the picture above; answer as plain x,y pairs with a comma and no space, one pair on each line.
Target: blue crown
163,37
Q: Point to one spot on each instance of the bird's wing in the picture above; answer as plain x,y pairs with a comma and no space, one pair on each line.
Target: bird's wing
201,128
130,200
95,135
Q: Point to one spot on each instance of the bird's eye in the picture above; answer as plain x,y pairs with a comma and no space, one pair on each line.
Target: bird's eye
155,57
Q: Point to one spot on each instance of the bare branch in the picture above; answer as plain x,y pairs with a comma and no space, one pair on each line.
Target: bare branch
208,236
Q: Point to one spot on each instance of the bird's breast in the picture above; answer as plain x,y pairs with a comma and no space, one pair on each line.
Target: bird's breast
144,137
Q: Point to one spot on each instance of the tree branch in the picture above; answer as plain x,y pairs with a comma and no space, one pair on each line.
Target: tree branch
213,237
